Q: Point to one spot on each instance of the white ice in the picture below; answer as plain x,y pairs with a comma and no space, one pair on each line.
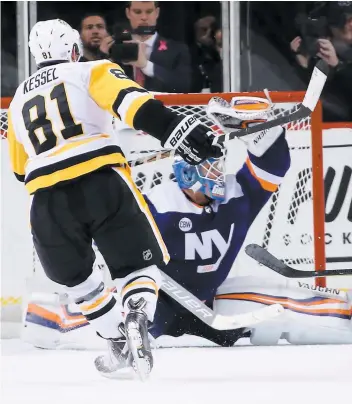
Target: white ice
242,375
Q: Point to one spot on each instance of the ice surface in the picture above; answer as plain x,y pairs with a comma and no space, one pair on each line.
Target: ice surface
242,374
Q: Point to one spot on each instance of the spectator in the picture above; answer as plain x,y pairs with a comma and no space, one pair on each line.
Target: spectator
215,75
95,38
218,41
206,56
163,65
336,50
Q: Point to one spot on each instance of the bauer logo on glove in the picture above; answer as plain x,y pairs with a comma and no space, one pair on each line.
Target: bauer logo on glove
192,140
181,131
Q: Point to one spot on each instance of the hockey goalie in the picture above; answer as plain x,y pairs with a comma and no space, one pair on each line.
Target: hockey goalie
204,216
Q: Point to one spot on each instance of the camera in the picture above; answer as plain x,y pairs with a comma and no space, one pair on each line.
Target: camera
122,52
311,30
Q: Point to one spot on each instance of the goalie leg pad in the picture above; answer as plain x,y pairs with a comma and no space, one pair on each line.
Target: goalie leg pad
310,317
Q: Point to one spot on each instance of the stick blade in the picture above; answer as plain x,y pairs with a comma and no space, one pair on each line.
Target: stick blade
263,256
221,322
316,85
323,67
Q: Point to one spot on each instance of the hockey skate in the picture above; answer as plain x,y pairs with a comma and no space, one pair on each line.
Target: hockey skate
117,363
136,327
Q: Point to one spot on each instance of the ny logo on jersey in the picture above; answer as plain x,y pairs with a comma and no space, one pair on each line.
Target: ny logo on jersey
204,247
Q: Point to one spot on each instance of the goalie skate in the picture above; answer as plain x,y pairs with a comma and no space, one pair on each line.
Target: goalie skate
136,326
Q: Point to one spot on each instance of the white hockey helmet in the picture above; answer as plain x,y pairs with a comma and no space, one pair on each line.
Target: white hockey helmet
54,40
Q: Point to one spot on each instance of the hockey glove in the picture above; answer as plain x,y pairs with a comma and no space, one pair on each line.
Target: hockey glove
192,140
244,112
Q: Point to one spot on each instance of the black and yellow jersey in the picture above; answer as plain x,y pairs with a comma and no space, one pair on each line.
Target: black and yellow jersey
60,121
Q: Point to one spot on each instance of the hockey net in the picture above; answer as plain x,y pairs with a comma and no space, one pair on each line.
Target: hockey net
291,225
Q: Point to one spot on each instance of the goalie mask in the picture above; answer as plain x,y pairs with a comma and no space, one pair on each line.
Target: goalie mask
54,40
207,177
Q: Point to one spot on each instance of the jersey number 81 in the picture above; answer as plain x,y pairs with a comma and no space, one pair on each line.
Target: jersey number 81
43,123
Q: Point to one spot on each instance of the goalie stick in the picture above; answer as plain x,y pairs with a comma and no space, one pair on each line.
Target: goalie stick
314,90
208,316
264,257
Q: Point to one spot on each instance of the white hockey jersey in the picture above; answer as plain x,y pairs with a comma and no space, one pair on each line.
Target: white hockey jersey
60,121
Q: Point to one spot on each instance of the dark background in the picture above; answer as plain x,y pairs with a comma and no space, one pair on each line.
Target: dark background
271,26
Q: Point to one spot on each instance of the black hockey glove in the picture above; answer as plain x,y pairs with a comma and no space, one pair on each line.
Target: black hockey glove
191,139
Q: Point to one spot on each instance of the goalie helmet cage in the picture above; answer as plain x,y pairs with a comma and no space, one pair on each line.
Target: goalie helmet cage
307,182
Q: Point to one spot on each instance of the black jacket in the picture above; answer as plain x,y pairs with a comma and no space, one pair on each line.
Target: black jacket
172,67
337,94
206,69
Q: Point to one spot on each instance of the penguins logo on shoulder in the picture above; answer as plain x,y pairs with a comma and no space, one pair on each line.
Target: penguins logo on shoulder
185,224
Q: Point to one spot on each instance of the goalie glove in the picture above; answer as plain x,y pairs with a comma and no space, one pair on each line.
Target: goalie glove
244,112
192,140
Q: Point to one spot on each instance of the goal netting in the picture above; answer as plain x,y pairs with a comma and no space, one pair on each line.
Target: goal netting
291,225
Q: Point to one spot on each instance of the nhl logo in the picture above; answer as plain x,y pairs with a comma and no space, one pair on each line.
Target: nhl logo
185,224
147,255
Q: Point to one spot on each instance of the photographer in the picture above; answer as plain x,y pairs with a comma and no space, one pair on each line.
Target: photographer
156,63
206,56
95,39
329,39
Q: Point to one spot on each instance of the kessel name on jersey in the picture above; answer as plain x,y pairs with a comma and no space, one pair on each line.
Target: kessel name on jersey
60,121
46,76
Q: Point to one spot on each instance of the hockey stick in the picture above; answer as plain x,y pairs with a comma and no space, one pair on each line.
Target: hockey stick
311,98
208,316
315,87
263,256
157,155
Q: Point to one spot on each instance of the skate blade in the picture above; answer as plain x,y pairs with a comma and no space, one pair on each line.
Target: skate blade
120,374
141,365
114,372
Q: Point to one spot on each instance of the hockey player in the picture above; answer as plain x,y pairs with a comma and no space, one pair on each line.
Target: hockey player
204,217
60,141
